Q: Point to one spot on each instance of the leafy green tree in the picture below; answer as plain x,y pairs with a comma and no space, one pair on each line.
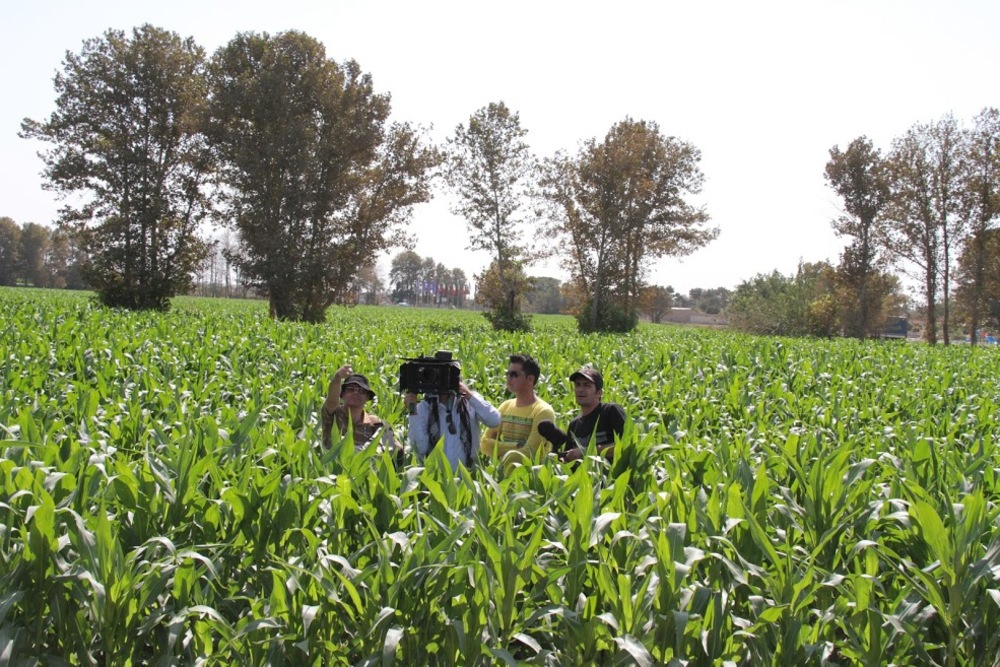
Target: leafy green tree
65,261
428,281
710,301
502,292
680,300
10,250
882,296
979,304
368,285
35,243
860,177
913,234
460,287
621,204
315,178
655,301
760,305
126,140
981,200
492,172
405,276
442,278
926,219
813,305
424,281
545,295
802,304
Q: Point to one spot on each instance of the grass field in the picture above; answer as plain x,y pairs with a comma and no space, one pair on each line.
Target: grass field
163,499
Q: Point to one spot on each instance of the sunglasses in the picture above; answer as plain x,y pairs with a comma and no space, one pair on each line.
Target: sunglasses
354,388
512,374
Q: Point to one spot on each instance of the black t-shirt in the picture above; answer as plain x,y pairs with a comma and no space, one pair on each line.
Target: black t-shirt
608,419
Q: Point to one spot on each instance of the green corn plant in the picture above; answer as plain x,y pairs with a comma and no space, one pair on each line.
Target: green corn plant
162,485
963,561
857,612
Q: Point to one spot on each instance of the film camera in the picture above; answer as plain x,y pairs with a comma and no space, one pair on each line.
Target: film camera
439,374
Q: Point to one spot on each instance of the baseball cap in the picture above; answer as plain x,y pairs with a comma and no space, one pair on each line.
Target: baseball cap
359,380
590,375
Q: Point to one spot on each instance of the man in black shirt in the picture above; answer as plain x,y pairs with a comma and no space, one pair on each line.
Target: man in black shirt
597,420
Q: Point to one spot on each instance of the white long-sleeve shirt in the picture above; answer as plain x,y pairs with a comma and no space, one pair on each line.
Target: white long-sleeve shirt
480,412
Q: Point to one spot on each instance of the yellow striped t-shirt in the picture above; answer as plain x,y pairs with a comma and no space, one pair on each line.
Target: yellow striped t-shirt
518,432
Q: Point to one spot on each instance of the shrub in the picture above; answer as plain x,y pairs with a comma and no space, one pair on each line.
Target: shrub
611,318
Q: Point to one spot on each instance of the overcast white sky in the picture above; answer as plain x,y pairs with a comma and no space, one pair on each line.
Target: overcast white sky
763,89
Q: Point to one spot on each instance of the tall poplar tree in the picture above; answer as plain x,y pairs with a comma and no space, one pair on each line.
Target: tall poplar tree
982,303
35,243
315,177
982,203
10,250
622,203
492,172
126,142
405,276
927,221
860,176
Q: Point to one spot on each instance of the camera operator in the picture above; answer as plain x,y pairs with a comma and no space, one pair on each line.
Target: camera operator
455,415
345,405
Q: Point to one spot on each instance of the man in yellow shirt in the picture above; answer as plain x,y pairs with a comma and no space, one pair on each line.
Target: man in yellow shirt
516,440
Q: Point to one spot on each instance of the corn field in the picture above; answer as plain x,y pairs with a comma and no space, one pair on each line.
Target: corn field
164,499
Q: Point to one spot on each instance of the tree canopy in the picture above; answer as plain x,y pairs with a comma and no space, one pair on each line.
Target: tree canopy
545,295
32,254
295,151
796,305
10,250
980,301
655,301
860,176
421,280
315,177
492,172
978,262
125,136
621,203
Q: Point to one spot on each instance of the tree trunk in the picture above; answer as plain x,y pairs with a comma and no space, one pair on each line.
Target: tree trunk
863,297
945,324
930,333
978,280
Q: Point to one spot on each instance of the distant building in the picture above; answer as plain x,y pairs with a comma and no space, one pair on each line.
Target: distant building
692,316
896,327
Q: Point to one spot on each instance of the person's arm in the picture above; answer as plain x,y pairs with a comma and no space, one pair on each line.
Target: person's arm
535,440
488,444
563,442
332,401
489,441
485,412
